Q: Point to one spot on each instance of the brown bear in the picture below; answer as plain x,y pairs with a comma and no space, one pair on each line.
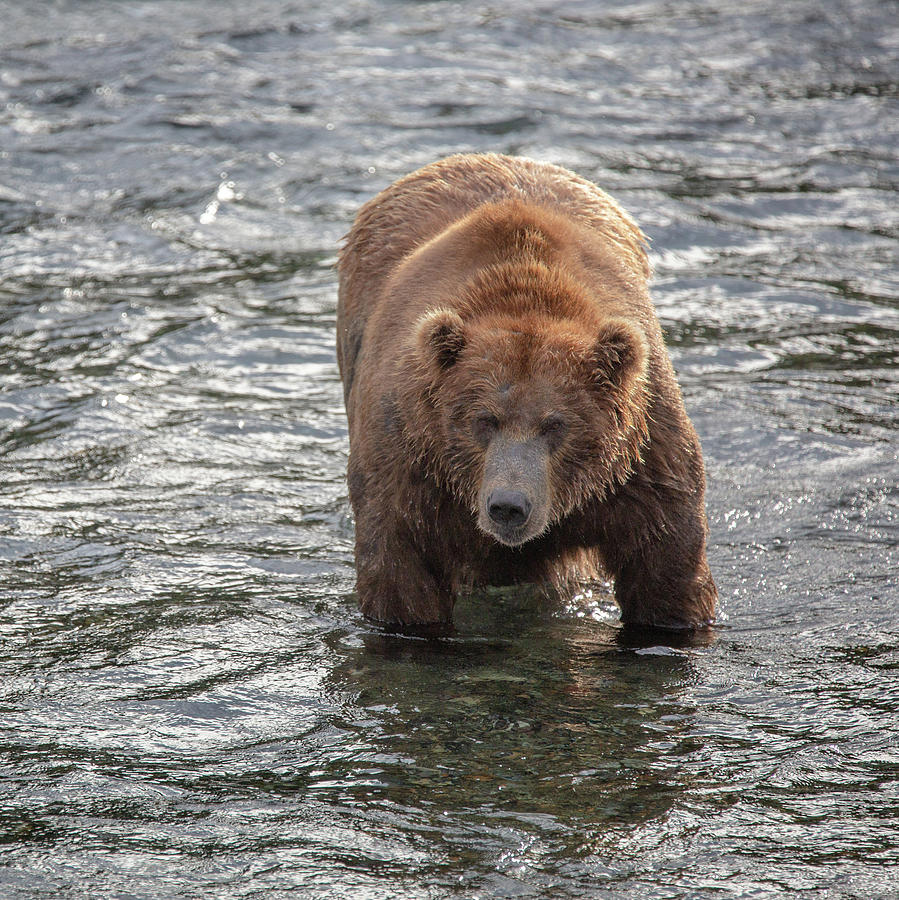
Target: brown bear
513,413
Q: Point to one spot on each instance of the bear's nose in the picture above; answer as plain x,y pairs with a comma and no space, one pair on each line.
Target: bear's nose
510,508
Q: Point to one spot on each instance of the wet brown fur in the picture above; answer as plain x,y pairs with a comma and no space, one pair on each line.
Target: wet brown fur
519,290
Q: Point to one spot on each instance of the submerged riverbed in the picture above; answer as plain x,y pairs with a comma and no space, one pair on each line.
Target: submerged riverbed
191,703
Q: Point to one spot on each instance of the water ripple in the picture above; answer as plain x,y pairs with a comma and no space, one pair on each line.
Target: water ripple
191,702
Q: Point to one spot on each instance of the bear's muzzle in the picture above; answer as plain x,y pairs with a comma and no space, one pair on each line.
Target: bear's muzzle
513,502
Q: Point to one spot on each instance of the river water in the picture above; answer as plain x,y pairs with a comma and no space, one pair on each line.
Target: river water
190,702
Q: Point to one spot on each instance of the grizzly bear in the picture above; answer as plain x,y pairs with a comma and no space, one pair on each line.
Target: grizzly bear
513,413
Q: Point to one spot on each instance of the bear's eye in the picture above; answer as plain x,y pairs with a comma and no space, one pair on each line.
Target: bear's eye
485,426
553,428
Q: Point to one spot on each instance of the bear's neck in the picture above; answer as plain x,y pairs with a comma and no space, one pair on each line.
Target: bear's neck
524,286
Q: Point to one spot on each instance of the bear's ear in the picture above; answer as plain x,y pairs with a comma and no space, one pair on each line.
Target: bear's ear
620,355
441,337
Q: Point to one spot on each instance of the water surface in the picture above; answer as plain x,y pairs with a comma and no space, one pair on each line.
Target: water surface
190,703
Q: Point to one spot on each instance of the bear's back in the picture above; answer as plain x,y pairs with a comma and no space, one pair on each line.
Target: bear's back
418,207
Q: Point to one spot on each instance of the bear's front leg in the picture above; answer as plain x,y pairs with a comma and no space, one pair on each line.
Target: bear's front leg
395,584
662,578
666,588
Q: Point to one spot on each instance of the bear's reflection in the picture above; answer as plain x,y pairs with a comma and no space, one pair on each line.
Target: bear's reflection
522,712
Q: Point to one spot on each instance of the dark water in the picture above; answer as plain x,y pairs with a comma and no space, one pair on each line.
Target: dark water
191,704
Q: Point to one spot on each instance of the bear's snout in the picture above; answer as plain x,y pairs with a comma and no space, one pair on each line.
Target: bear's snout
508,508
514,497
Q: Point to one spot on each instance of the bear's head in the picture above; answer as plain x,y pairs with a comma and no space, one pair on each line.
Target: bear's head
528,416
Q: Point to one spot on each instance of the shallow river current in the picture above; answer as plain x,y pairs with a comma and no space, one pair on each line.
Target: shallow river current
190,703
